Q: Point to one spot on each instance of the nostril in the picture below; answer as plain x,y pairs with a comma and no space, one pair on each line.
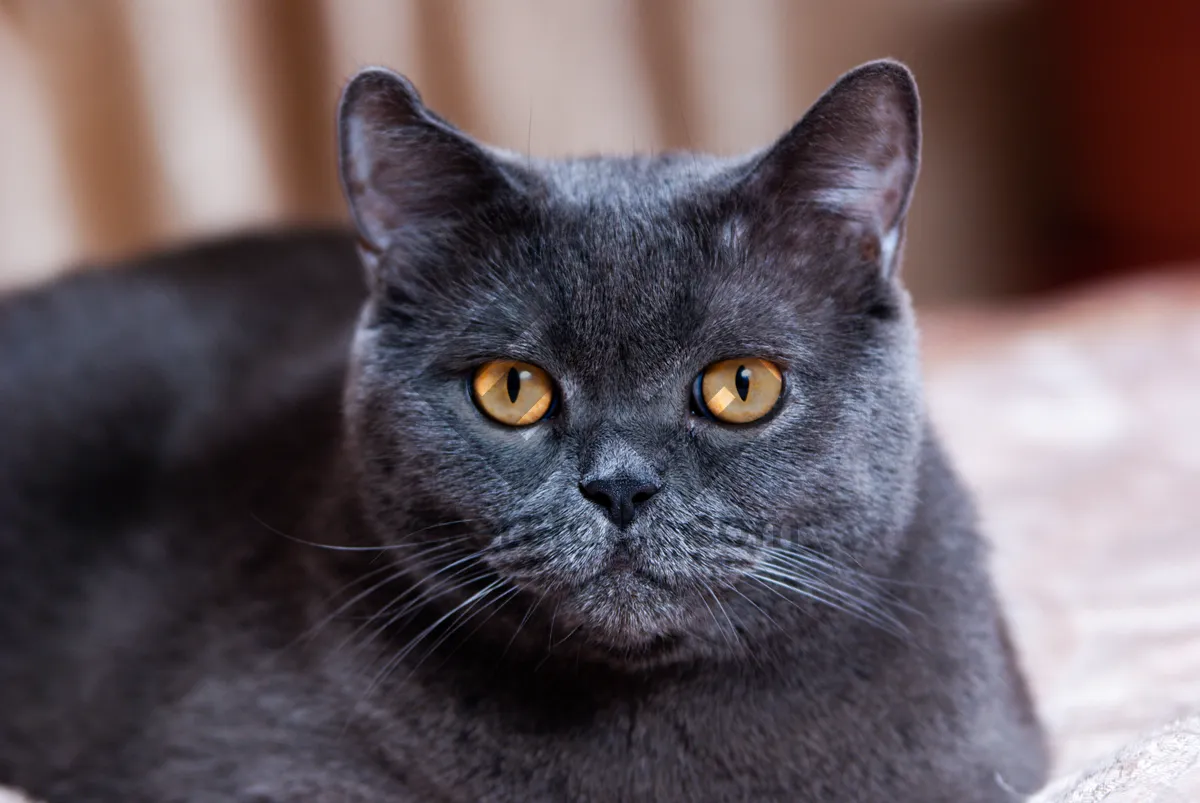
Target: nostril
643,494
599,492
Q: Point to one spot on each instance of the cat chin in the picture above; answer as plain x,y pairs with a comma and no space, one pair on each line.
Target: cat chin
658,651
623,614
627,613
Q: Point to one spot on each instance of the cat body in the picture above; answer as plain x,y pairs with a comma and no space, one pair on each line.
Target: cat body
265,537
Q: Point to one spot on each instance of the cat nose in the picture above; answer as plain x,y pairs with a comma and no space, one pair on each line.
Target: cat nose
620,496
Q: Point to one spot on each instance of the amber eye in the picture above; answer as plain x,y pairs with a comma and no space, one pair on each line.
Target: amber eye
513,393
739,391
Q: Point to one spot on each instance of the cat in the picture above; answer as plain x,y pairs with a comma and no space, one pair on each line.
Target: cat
602,479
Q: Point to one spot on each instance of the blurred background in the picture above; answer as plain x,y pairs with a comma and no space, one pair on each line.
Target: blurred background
1060,135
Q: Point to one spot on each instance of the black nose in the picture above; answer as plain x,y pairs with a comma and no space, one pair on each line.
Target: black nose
619,495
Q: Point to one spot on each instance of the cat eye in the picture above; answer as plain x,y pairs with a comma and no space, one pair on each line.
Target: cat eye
513,393
738,391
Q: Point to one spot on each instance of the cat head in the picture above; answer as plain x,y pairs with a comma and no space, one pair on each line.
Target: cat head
639,386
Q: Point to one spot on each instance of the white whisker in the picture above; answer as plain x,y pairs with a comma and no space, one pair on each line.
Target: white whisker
400,655
804,587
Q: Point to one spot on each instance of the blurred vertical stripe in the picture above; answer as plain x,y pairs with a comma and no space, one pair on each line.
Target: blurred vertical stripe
126,124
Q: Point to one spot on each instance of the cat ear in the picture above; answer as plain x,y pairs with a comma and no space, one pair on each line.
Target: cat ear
409,176
853,157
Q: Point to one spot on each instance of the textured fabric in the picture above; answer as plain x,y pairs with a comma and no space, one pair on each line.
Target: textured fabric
1076,423
1163,767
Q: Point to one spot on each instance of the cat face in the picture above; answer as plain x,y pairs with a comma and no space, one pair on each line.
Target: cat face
641,386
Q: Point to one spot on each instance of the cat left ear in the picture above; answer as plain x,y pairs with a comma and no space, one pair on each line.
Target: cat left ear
409,176
854,157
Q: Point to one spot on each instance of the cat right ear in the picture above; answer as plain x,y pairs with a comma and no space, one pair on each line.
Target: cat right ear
852,159
410,178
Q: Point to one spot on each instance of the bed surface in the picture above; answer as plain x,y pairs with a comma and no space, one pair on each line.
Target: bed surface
1077,422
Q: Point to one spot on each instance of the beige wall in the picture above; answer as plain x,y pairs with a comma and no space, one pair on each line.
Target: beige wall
125,123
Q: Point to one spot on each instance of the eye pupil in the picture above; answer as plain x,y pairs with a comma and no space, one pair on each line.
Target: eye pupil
741,381
513,393
514,385
723,390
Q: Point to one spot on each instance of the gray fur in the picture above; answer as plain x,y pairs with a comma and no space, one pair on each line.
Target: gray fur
238,564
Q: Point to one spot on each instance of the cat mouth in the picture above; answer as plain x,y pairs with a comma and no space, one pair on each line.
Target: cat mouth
626,608
623,568
620,560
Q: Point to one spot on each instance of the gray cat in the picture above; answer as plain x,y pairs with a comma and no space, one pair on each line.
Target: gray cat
613,483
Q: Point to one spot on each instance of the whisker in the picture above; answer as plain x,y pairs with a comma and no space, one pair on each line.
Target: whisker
396,659
807,553
852,579
429,551
389,666
342,548
715,622
732,587
357,579
324,622
524,619
567,637
773,586
860,611
819,574
553,619
552,643
424,596
737,637
818,583
499,602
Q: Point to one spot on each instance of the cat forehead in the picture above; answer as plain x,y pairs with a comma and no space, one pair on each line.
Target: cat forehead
629,251
628,181
638,219
593,307
629,265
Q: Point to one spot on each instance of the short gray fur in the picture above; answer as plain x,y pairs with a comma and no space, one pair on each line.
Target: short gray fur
258,544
